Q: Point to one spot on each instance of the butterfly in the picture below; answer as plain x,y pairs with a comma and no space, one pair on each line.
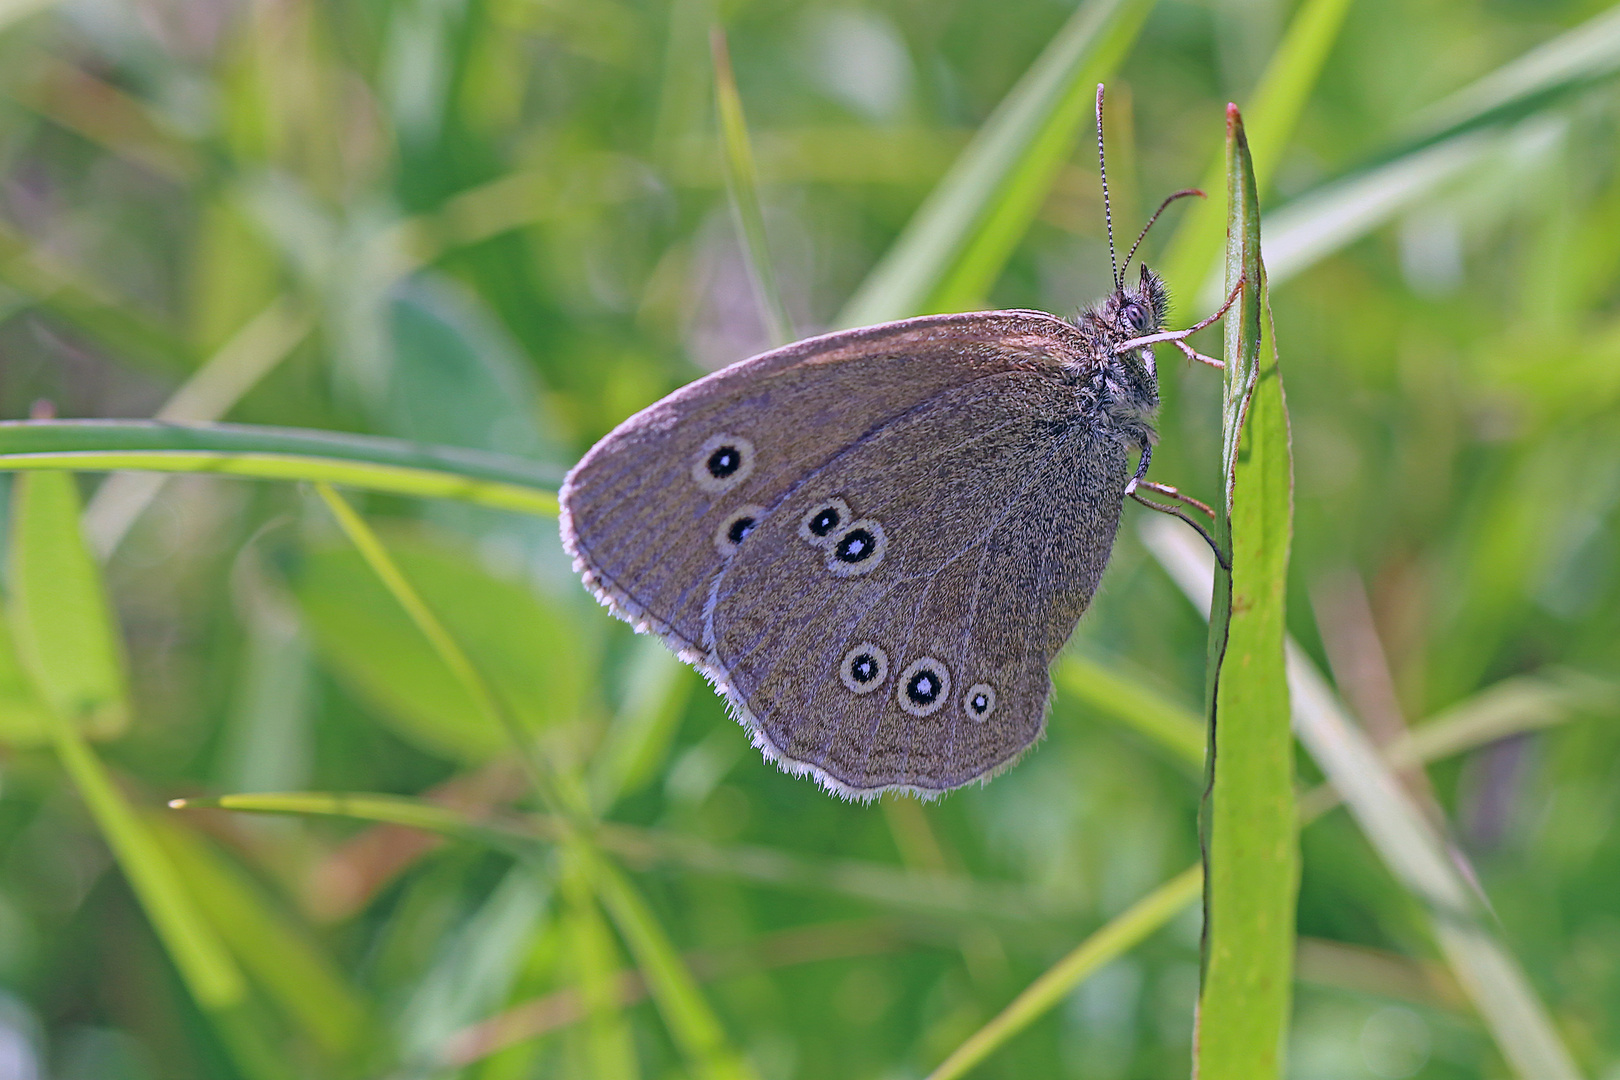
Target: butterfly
874,542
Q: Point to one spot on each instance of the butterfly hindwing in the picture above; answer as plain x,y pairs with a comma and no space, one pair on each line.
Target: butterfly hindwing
908,647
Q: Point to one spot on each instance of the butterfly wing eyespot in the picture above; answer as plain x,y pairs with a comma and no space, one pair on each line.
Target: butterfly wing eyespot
821,523
924,687
736,527
864,668
723,462
979,702
858,549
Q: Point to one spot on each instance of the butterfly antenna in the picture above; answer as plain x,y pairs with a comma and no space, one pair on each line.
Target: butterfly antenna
1108,215
1182,194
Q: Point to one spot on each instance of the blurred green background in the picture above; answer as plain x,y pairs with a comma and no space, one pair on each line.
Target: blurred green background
503,225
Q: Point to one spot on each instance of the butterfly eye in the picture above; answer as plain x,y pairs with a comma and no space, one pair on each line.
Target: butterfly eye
864,669
858,549
723,462
980,701
1136,315
925,686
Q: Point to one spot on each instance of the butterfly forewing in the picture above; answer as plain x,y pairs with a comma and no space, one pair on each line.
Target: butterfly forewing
909,649
650,522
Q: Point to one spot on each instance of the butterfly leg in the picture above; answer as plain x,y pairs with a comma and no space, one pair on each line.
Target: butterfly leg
1171,509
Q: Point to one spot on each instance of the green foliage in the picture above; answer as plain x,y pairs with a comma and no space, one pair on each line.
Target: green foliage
1248,825
430,251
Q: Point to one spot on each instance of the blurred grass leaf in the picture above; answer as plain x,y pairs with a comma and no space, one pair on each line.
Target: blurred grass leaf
1445,140
277,954
692,1023
1271,116
656,690
957,243
1248,822
61,621
269,453
474,968
1172,726
47,554
22,711
742,181
1118,937
358,630
608,1047
456,378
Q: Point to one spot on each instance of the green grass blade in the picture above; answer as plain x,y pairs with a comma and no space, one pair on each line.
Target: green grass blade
1115,939
1575,60
1408,843
1446,140
609,1049
46,541
1173,727
1421,859
955,246
267,453
1278,100
692,1023
381,809
941,895
61,621
300,978
444,644
1316,224
742,181
1248,822
211,392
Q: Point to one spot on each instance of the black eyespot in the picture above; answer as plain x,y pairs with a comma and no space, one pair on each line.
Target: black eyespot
1136,316
736,527
864,669
923,687
824,521
980,701
855,546
724,461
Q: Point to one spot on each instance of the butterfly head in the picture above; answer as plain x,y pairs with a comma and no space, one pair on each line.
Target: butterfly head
1129,378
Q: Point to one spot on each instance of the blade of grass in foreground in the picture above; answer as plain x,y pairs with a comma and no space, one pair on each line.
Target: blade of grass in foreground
955,246
1248,821
1411,847
742,180
269,453
1508,708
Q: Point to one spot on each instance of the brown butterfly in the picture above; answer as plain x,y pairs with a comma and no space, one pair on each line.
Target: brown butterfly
875,541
